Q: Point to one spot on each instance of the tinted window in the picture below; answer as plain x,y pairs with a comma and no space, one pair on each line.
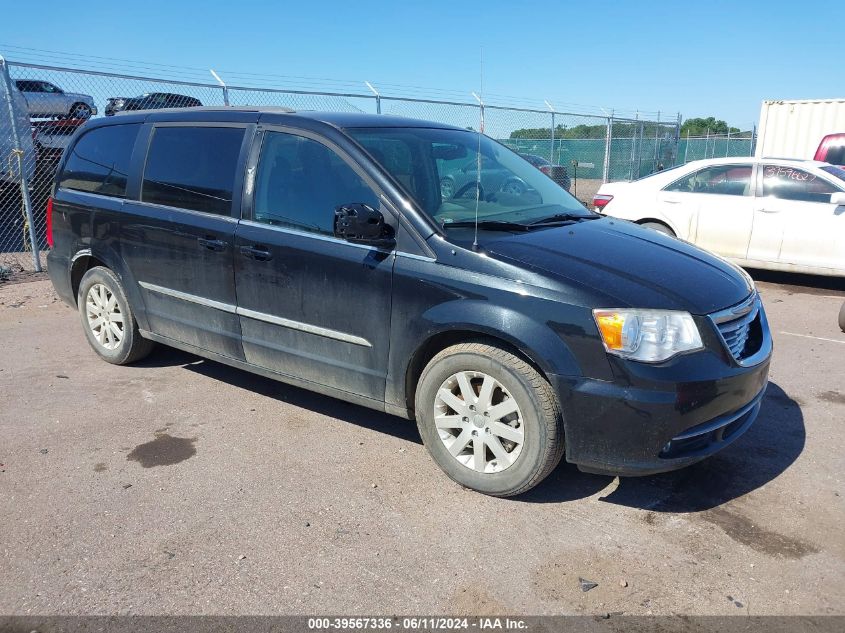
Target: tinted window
193,168
788,183
836,154
301,182
837,172
99,161
726,180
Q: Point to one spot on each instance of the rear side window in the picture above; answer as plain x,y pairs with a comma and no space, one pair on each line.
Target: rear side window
725,180
193,168
99,161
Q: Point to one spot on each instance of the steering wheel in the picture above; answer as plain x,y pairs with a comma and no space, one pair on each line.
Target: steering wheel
470,185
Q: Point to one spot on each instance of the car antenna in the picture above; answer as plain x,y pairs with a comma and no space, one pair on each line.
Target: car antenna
478,154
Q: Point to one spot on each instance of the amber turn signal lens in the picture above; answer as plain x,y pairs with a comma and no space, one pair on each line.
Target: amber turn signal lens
610,325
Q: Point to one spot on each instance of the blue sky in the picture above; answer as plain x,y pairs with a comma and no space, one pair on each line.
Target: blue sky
701,59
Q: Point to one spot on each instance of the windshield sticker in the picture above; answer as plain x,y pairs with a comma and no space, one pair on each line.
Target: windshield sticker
780,171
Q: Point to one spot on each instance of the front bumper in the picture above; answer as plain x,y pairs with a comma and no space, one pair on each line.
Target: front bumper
657,418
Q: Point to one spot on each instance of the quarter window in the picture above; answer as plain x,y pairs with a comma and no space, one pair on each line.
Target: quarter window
99,161
300,183
788,183
726,180
193,168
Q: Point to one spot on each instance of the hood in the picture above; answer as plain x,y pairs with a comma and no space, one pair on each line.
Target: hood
629,265
80,97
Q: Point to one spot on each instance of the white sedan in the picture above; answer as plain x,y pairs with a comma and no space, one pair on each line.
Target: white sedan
758,212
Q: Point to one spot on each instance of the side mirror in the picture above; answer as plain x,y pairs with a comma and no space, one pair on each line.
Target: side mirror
838,198
361,224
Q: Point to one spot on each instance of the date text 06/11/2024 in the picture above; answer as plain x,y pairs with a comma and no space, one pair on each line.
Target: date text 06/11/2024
415,623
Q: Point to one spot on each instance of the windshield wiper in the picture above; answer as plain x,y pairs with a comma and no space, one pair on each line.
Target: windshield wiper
562,218
489,225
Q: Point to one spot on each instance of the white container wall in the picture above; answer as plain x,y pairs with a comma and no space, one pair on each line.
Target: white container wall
793,129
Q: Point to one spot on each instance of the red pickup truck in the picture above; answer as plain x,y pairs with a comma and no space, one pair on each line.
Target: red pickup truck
832,149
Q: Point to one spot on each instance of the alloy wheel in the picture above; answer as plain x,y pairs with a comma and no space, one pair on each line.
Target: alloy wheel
104,316
479,422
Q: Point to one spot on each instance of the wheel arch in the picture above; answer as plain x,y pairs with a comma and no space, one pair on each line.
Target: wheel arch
654,220
88,258
439,341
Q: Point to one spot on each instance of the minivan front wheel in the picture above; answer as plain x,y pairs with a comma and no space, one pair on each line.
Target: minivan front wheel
107,319
489,419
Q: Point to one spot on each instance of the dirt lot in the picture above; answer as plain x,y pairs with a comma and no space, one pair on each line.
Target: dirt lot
184,486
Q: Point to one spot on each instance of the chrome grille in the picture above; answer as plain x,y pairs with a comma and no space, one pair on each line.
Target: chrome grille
735,326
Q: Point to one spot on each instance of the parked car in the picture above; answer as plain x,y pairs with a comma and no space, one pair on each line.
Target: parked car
51,138
842,318
557,173
44,99
463,181
315,249
760,212
832,149
150,101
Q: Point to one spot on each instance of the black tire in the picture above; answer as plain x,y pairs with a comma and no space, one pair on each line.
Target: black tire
659,227
132,346
842,318
80,111
541,419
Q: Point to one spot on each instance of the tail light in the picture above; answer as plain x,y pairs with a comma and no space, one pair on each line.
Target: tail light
600,201
546,169
50,222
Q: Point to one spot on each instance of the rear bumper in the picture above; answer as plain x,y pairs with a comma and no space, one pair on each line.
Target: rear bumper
620,429
58,268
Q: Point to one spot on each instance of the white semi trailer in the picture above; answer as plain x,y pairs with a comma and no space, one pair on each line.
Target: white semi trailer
793,129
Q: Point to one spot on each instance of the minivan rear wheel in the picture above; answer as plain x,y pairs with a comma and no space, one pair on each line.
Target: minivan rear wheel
489,419
107,319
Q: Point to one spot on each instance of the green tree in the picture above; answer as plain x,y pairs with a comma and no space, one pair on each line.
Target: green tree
703,127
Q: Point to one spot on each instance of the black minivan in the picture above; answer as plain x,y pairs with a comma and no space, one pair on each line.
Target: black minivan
512,323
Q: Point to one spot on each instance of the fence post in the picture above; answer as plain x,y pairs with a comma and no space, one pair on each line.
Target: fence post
608,137
728,145
378,96
222,85
633,145
552,150
677,139
640,153
481,112
657,143
27,202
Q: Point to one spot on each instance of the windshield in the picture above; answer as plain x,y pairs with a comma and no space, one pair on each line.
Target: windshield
440,170
834,171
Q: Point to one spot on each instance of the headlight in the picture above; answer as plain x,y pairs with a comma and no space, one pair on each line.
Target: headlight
650,336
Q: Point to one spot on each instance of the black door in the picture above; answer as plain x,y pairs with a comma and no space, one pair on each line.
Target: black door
310,305
178,240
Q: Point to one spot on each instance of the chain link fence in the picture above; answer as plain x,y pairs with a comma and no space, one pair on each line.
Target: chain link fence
41,106
716,146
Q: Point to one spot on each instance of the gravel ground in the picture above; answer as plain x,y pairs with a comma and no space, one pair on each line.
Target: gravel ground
182,486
